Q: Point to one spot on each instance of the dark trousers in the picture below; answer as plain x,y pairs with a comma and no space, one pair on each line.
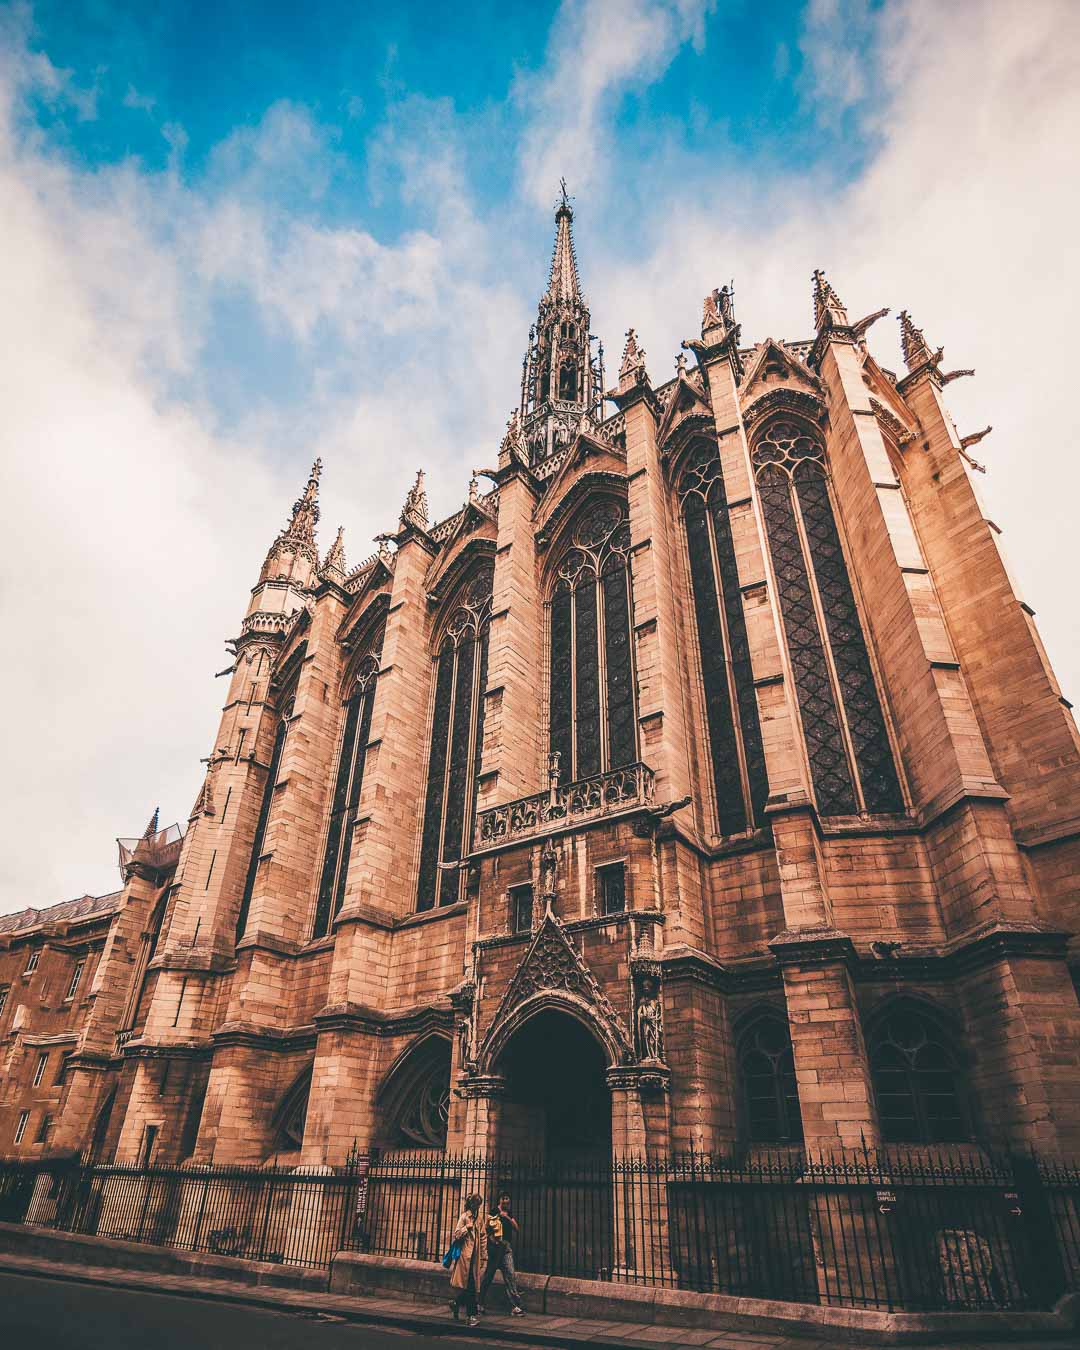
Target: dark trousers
500,1257
466,1296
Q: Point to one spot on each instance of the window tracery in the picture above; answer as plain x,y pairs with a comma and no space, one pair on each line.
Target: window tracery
359,703
592,699
735,742
770,1090
415,1104
457,734
916,1079
280,734
851,759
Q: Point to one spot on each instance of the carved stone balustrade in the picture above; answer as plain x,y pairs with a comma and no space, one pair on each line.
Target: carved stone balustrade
601,795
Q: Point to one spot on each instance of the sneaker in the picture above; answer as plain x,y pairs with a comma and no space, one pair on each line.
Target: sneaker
517,1312
474,1321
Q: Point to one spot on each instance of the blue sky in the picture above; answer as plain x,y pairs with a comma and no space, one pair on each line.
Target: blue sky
240,235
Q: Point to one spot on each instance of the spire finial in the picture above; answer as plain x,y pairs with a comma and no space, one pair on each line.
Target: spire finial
415,510
152,828
828,307
334,563
563,282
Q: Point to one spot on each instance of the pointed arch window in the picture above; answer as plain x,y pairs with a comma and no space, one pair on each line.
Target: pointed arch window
356,732
457,735
770,1090
592,704
851,760
916,1077
280,734
735,745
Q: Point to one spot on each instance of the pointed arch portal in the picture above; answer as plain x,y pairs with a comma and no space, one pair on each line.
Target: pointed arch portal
557,1098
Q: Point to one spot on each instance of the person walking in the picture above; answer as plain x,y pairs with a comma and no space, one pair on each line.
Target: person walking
502,1229
471,1233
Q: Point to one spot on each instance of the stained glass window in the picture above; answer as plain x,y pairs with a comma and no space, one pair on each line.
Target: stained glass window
457,734
851,759
592,698
350,776
264,817
736,751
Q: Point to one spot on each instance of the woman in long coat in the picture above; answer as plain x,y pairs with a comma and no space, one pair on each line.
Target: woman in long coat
467,1270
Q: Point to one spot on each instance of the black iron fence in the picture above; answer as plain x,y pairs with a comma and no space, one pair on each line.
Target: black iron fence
893,1229
263,1214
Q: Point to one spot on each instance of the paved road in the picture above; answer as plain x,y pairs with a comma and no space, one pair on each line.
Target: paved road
49,1314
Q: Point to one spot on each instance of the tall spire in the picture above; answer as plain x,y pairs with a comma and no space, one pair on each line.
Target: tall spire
305,512
563,280
152,828
562,380
297,540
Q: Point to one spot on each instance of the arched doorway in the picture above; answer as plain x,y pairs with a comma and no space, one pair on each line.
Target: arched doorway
557,1099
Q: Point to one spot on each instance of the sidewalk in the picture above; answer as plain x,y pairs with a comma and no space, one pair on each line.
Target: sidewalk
564,1333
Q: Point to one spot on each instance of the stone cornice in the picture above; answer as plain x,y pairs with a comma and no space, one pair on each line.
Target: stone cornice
817,946
253,1036
373,1021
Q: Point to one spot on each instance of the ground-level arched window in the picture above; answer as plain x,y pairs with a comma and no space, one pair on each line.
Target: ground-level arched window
917,1079
736,754
847,744
414,1105
592,697
356,732
767,1073
457,735
291,1117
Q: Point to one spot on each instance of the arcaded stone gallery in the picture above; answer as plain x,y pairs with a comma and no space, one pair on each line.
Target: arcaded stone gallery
701,783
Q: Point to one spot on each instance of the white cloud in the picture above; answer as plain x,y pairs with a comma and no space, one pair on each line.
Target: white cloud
599,51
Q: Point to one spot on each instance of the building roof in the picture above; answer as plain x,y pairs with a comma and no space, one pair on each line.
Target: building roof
85,907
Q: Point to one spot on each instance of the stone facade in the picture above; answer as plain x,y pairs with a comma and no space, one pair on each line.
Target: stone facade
703,783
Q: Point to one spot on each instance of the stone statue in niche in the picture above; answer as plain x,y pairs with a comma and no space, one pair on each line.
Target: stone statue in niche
649,1019
549,862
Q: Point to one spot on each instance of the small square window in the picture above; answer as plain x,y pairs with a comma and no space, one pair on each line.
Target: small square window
76,975
611,885
39,1072
3,997
42,1136
521,908
31,963
20,1129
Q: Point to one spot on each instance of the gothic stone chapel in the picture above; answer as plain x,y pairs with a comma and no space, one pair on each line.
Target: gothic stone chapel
702,784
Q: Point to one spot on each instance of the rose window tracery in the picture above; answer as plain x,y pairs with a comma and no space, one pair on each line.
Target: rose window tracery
851,760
